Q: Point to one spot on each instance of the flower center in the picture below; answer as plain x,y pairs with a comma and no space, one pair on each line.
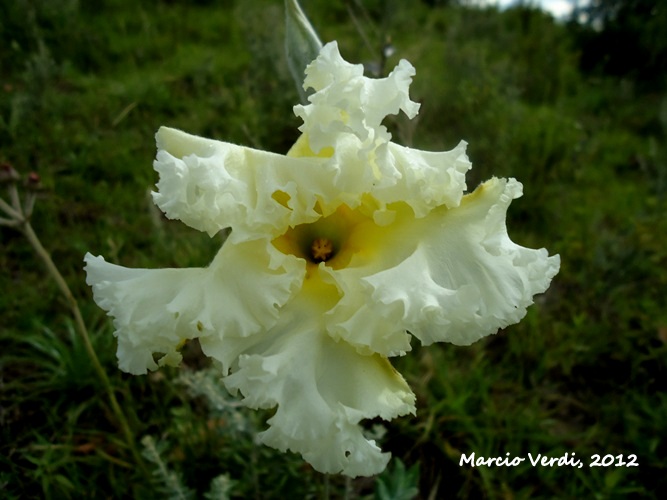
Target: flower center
333,239
321,249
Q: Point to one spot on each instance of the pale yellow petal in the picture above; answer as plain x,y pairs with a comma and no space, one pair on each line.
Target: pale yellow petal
211,185
453,275
426,179
156,310
322,390
466,278
346,102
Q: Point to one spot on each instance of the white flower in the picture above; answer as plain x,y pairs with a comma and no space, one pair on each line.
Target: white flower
336,251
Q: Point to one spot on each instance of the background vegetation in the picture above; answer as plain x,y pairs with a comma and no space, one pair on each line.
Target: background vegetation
575,115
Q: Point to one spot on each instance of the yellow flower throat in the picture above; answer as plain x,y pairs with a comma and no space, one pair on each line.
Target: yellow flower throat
333,239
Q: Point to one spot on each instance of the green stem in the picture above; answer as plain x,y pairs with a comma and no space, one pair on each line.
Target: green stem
9,210
83,331
327,487
348,487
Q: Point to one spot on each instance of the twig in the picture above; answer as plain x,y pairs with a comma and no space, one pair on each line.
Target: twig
29,233
19,218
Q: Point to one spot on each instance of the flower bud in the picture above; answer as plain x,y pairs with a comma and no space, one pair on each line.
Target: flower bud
34,181
8,174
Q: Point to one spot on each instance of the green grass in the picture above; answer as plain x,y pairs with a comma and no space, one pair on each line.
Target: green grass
82,92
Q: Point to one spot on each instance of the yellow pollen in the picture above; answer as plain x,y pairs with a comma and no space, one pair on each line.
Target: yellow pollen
321,249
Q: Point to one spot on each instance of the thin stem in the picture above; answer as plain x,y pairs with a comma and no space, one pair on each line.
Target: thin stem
29,204
8,222
348,487
9,210
360,30
14,197
327,487
26,228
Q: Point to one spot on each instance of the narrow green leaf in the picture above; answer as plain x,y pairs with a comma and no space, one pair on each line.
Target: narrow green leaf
302,45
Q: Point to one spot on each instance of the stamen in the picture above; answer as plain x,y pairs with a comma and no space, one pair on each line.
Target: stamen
321,249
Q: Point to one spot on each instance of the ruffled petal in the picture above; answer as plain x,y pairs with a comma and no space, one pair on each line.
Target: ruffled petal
453,275
347,102
211,185
466,278
426,179
156,310
322,389
366,325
